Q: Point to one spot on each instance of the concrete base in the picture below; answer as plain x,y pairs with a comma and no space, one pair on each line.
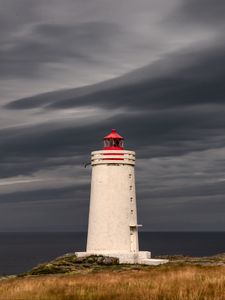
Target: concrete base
141,257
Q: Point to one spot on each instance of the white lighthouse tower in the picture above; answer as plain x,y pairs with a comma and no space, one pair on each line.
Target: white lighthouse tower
113,227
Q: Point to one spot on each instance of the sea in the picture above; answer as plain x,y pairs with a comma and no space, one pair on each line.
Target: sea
19,252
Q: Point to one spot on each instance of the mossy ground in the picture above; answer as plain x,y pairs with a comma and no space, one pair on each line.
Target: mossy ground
70,263
101,278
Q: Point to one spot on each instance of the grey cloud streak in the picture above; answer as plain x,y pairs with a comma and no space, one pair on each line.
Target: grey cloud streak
48,43
51,194
177,111
183,83
205,12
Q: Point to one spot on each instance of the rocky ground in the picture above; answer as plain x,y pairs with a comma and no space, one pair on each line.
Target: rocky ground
100,277
70,263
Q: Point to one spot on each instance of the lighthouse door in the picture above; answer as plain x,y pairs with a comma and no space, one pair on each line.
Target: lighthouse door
133,239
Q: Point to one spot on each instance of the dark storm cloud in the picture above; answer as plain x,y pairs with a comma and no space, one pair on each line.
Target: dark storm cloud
17,163
77,192
54,43
28,149
182,84
158,133
195,190
178,110
171,111
164,127
196,213
206,12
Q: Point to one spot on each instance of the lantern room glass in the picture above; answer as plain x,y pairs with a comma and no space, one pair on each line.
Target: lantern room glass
113,143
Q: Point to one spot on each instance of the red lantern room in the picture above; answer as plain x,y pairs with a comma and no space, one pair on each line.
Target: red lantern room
113,141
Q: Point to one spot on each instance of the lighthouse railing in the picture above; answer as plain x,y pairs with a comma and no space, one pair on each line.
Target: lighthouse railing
113,157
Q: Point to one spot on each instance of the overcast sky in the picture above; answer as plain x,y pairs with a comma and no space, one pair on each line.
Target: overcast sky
70,70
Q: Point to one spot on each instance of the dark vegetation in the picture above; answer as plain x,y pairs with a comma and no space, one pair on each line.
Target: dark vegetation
102,278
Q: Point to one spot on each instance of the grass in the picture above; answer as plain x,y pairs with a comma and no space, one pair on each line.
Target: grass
166,282
100,277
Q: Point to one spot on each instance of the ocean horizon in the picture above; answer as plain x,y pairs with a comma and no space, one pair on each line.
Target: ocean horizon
21,251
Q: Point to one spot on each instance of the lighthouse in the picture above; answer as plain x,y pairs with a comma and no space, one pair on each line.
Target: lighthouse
112,224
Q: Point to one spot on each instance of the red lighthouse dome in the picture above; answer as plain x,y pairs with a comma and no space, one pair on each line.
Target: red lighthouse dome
113,141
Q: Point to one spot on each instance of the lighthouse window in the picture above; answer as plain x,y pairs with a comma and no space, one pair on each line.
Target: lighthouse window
116,143
113,142
132,211
130,187
106,143
121,144
131,199
130,175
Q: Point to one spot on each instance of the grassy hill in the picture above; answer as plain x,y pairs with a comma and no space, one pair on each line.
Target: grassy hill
99,277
